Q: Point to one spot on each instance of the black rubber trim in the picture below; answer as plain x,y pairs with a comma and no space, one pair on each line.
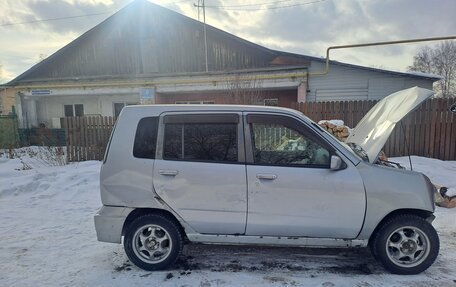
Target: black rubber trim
201,118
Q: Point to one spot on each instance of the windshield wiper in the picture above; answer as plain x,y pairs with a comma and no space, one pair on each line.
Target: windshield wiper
359,151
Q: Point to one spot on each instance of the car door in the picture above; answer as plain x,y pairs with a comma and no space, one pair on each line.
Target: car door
291,189
199,170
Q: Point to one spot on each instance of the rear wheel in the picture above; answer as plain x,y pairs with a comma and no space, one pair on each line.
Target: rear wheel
153,242
406,244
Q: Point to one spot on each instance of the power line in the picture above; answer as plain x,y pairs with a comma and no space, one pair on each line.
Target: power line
248,5
240,7
54,19
224,7
77,16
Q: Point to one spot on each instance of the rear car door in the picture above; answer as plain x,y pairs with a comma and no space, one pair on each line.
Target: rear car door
199,170
291,189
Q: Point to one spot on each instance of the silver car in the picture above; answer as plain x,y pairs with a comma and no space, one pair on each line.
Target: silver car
174,174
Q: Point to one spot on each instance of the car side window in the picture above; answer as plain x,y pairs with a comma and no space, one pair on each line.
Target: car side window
279,144
146,138
201,142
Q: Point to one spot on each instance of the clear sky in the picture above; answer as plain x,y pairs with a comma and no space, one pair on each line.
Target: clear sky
299,26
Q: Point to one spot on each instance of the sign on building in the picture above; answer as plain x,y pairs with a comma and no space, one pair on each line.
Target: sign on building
147,96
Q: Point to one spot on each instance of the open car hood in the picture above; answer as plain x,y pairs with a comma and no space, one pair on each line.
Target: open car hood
375,127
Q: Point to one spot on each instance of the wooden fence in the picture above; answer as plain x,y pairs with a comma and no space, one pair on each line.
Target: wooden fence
429,131
9,136
87,137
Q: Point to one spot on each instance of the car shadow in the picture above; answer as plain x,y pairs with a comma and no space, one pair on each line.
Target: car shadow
232,258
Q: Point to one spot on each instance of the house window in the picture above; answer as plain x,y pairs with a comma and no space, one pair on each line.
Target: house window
194,102
271,102
76,110
119,106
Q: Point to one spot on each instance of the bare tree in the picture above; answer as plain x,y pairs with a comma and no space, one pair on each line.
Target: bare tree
245,91
440,60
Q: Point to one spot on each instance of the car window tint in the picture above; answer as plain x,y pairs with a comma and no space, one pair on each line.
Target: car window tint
201,142
173,141
279,145
146,138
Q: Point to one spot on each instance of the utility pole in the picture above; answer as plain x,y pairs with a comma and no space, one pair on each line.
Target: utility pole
205,36
204,25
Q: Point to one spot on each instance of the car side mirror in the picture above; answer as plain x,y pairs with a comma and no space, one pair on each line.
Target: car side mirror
453,108
336,163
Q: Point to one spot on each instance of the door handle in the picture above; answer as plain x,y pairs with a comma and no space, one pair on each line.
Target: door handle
168,172
268,176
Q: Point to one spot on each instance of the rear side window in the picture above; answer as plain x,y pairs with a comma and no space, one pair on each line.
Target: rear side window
146,138
201,142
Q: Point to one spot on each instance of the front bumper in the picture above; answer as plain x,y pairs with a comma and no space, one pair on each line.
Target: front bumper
109,222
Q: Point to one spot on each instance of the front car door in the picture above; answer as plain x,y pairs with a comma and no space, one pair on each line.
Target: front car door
199,170
291,189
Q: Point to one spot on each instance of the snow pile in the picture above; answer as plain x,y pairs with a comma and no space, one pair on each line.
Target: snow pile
451,192
36,156
442,176
48,239
441,173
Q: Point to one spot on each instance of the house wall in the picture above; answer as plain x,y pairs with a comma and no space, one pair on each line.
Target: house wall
48,108
345,83
7,100
285,97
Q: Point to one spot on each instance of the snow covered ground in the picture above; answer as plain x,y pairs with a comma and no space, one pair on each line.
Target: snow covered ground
48,239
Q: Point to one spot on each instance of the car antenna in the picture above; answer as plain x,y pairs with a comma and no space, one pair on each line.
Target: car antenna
407,145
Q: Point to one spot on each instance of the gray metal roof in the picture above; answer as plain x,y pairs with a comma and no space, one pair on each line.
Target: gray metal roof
395,73
144,40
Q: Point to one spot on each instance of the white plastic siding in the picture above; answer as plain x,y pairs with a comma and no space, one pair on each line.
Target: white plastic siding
344,83
52,107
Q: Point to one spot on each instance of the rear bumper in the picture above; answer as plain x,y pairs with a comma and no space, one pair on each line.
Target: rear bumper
109,222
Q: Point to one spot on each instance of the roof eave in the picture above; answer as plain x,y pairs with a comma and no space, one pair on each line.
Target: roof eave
323,60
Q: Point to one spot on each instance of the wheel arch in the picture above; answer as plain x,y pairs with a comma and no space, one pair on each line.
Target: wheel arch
144,211
425,214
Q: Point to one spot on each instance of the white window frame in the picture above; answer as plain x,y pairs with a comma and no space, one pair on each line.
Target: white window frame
74,109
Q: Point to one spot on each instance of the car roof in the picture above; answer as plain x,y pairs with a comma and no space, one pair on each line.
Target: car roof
158,109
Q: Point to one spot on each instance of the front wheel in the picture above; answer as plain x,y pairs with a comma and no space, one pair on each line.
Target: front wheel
406,244
153,242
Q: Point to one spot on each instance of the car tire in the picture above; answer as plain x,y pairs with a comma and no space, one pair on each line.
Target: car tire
372,248
406,244
153,242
